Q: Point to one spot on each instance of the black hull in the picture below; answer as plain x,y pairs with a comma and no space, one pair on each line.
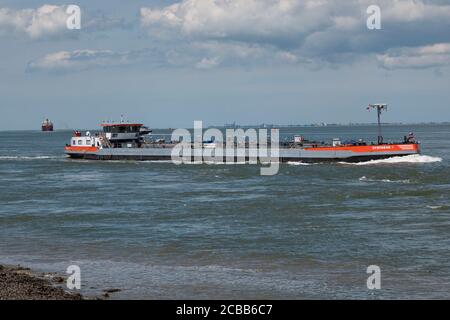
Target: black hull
353,159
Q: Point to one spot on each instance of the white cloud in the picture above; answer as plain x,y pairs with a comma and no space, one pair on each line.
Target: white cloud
50,21
436,55
266,19
413,10
215,53
317,31
207,63
207,34
200,55
238,19
36,23
88,59
78,60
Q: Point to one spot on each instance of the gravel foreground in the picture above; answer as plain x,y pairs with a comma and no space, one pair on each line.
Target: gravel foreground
19,283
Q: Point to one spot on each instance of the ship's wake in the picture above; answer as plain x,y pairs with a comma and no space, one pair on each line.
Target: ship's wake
414,158
299,163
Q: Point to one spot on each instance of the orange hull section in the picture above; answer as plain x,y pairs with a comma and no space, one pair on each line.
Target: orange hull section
374,148
81,148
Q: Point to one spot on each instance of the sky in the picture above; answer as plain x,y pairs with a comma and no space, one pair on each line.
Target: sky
168,63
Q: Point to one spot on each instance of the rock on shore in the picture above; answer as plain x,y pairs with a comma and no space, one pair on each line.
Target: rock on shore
18,283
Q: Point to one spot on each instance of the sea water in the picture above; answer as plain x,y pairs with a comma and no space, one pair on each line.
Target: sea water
158,230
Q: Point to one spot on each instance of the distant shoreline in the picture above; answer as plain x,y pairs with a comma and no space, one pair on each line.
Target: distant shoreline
324,125
244,126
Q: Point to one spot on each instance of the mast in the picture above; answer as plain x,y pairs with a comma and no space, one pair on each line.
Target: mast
380,108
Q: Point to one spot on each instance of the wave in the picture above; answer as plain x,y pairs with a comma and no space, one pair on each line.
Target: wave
438,207
28,157
414,158
365,179
155,161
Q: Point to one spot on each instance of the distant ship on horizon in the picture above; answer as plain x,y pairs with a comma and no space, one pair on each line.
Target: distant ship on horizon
47,125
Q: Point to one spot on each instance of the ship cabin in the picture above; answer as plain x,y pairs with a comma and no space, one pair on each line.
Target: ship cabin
80,141
122,131
125,134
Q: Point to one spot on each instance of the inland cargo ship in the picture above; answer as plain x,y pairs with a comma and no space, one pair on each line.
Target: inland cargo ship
126,141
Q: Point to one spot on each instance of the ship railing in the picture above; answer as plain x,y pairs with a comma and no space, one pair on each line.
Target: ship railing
104,140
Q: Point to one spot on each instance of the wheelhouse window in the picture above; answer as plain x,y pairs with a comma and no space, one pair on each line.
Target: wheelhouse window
121,129
80,142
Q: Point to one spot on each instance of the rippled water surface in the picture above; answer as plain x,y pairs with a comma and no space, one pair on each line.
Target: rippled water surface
157,230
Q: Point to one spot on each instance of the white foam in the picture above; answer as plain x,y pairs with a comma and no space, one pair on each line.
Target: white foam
298,163
434,207
365,179
414,158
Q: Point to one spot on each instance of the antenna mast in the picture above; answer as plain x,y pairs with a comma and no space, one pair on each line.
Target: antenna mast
380,108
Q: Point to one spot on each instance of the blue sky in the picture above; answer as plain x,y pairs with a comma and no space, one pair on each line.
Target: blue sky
167,63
